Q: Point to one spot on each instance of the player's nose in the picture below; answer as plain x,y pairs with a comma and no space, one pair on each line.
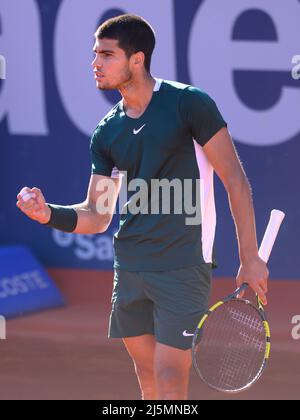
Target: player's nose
96,63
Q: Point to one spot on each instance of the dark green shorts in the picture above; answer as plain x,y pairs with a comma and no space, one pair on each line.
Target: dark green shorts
167,304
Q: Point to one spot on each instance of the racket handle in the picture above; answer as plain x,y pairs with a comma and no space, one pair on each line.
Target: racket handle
237,291
267,243
270,235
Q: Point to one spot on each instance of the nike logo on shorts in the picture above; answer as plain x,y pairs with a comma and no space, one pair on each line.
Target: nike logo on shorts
135,132
186,334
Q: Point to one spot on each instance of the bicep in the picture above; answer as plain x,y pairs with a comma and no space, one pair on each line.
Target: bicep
223,157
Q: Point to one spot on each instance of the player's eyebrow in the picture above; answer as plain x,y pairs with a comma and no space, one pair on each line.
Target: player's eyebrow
103,51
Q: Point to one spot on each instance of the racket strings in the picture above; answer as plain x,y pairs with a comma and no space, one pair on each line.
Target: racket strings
232,348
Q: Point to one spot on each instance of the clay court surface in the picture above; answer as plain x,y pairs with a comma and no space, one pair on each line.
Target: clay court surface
64,353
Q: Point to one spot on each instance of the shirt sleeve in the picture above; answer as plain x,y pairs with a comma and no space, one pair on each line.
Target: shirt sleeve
200,113
102,164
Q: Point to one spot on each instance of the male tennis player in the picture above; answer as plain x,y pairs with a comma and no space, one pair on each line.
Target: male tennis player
159,130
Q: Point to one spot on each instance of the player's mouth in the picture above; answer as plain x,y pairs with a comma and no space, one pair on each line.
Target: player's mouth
98,76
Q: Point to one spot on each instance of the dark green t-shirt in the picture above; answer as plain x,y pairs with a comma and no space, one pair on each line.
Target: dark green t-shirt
164,144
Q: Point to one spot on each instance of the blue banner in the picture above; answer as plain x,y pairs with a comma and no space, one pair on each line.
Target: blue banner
245,54
24,285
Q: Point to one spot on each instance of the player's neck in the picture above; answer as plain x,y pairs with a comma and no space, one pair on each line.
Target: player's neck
137,94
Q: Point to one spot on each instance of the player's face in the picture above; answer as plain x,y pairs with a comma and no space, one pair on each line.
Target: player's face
111,66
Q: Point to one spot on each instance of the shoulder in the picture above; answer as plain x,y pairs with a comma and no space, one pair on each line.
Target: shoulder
188,95
195,101
109,117
172,86
196,95
104,122
171,90
182,88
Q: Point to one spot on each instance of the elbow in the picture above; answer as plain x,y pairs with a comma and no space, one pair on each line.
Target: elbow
102,229
104,224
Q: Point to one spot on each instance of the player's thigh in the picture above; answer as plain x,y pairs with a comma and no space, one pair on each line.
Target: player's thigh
141,349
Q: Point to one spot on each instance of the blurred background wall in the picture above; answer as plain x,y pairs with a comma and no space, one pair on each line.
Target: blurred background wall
243,54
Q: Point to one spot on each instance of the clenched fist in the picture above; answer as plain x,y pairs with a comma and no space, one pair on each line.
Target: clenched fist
32,202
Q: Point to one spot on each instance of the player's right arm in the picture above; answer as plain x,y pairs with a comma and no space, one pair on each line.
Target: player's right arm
92,216
96,213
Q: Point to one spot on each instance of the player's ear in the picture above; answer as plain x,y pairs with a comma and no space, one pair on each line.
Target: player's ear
138,58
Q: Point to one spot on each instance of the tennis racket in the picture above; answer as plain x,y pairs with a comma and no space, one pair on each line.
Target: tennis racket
231,344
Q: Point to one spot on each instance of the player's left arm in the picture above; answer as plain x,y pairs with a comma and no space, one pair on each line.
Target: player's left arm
222,155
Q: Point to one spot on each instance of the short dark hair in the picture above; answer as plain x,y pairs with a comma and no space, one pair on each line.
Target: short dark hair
133,33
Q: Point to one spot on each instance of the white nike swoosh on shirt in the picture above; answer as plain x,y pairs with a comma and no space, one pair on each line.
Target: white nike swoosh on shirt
186,334
135,132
